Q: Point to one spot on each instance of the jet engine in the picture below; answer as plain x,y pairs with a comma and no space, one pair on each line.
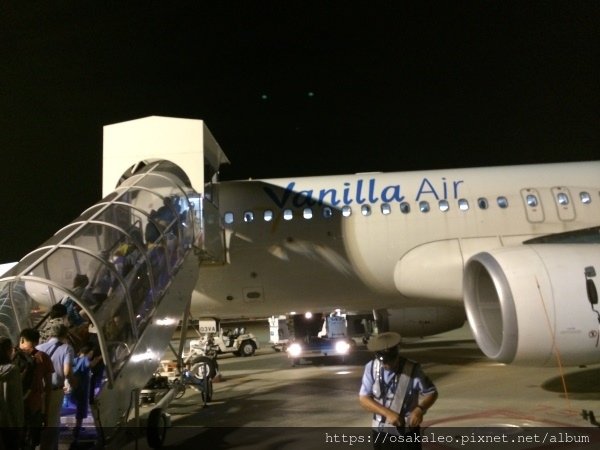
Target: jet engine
535,304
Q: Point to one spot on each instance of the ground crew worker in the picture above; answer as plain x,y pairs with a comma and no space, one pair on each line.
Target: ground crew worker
397,392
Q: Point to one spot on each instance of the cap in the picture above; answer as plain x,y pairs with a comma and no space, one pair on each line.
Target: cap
383,341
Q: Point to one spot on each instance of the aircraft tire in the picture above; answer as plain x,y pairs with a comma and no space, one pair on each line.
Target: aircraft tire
247,348
156,431
210,364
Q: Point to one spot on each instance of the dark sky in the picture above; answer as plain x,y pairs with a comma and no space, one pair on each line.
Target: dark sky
289,88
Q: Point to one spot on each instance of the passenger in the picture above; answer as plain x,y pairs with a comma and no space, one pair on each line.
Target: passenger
58,316
173,252
62,354
152,232
97,372
78,321
112,328
11,397
127,254
80,284
119,336
119,260
102,282
165,217
118,329
136,238
80,394
156,250
397,392
139,285
166,213
131,265
158,264
136,242
37,401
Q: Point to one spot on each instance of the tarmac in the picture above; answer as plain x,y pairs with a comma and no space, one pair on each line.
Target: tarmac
264,402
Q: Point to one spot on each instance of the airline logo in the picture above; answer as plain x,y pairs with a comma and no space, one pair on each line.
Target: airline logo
362,191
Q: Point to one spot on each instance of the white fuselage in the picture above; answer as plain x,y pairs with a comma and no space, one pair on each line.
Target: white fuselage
393,239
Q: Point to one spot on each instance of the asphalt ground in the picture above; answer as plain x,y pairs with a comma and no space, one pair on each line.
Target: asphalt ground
263,401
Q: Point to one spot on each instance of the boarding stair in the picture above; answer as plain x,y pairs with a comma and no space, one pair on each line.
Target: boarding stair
140,248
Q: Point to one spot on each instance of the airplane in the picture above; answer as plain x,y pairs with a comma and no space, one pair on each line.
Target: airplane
513,250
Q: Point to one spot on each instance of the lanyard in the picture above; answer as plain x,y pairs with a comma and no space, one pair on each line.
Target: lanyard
387,387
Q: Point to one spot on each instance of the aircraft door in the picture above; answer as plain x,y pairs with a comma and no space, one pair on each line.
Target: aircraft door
564,205
533,205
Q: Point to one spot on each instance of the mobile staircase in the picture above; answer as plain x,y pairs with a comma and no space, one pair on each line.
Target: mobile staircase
140,248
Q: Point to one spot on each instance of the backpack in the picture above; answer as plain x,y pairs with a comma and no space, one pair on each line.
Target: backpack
26,365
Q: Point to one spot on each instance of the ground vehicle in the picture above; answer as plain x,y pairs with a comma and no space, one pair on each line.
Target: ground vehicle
197,375
331,341
279,333
163,387
214,341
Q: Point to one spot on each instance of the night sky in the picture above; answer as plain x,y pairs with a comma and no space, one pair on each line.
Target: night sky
289,88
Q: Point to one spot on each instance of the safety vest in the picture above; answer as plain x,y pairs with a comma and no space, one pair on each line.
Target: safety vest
391,396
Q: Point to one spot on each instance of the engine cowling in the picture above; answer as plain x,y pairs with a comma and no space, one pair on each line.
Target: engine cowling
530,305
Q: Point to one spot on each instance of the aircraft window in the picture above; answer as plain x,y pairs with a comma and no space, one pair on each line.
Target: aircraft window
288,214
307,213
365,210
268,215
463,204
386,209
228,217
248,216
346,211
444,206
585,197
502,202
404,207
482,203
424,206
532,201
327,212
563,199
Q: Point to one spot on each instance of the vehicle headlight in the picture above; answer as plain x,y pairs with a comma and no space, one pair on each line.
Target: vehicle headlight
294,350
342,347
